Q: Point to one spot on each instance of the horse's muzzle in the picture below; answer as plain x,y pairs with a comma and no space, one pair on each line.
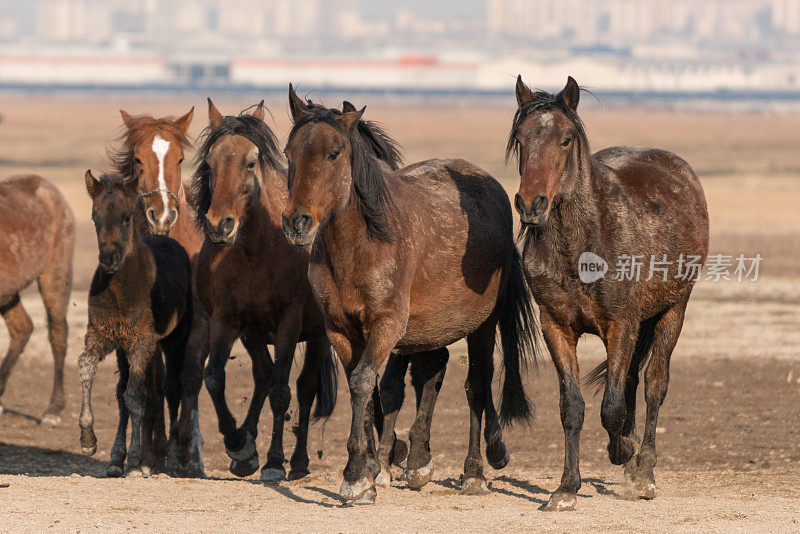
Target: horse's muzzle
535,214
222,232
299,229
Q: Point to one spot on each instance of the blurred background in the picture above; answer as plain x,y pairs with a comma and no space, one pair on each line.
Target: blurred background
732,50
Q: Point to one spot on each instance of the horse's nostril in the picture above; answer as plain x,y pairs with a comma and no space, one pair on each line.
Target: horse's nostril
173,216
302,223
151,216
226,225
539,205
519,203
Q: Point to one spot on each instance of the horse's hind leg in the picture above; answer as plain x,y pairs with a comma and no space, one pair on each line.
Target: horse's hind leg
135,395
621,339
496,451
116,466
154,438
317,349
480,346
427,375
191,378
656,377
55,284
391,394
20,327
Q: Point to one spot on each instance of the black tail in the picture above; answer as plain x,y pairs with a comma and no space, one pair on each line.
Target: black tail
597,376
327,387
517,321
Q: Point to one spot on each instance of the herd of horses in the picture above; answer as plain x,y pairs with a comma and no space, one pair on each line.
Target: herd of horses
335,244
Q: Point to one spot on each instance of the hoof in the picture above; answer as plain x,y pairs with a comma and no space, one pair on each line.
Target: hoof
560,502
497,455
399,453
50,420
89,451
474,486
646,489
384,478
246,452
621,450
271,475
195,470
297,474
114,471
631,469
135,472
358,491
417,478
244,468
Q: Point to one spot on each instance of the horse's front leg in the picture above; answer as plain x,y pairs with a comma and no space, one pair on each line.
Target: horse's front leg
95,348
359,473
279,393
562,344
261,367
239,445
116,466
140,354
392,394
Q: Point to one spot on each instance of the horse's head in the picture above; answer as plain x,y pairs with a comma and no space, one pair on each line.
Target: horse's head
113,204
152,156
319,153
231,161
547,137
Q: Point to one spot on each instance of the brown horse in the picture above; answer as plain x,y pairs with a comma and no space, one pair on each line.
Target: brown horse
254,286
411,260
151,154
140,297
37,240
619,204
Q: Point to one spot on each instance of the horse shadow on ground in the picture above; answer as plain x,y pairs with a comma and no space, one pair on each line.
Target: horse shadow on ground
40,462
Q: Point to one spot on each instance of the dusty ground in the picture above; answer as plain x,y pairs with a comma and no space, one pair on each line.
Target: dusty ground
729,433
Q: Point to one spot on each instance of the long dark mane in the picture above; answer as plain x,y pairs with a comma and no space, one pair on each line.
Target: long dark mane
370,145
123,159
253,129
542,101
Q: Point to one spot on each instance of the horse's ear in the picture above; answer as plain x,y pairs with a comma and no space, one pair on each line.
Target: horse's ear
92,184
348,121
184,121
130,186
524,93
126,117
214,116
347,107
296,104
571,93
258,113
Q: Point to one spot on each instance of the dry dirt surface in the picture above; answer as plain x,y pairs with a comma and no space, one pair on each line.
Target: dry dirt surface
729,431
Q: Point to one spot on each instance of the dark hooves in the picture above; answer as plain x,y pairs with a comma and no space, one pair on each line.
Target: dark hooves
399,453
621,450
115,471
298,473
244,468
497,455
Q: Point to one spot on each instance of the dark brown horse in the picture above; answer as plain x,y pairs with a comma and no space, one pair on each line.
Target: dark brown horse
254,286
411,260
620,204
37,237
151,154
140,298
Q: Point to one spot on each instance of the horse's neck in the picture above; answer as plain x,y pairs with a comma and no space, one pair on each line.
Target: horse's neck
345,236
263,221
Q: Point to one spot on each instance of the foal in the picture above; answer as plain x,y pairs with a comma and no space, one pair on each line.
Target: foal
254,286
410,260
37,240
622,202
140,298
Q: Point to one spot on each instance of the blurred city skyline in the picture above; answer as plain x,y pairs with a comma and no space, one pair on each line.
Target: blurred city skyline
624,45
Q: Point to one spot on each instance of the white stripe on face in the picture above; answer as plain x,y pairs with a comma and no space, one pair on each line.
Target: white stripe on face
160,148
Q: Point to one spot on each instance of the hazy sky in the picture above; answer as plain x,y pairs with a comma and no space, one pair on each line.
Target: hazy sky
382,9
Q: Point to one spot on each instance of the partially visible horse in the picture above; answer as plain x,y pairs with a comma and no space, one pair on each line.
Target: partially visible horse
625,205
411,260
151,154
37,238
140,298
254,286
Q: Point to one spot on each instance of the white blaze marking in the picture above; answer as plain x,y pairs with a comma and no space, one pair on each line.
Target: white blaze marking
160,148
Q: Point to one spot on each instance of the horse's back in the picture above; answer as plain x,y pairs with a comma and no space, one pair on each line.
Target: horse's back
34,220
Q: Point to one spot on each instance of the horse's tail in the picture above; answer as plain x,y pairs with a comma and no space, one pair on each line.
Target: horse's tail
597,377
327,386
517,322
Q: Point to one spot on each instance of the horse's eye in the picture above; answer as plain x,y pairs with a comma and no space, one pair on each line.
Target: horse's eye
180,161
126,219
137,161
251,166
566,142
333,155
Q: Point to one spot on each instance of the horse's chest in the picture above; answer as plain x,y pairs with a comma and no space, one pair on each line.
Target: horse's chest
120,327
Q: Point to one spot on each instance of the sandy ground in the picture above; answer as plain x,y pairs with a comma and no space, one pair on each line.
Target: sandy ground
729,433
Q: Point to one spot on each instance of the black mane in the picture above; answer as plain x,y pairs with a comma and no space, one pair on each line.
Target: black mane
542,101
370,145
245,125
